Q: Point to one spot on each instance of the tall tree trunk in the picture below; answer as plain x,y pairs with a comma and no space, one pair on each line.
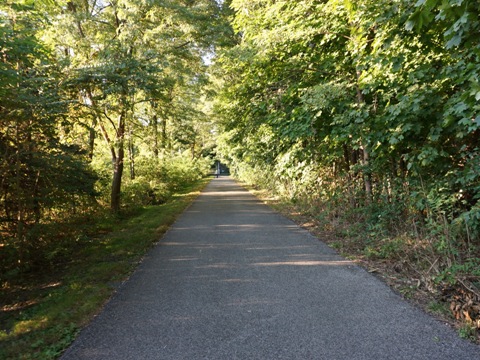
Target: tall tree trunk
155,136
118,165
366,156
164,134
131,155
91,138
117,180
367,176
351,7
19,196
192,149
154,125
96,116
19,192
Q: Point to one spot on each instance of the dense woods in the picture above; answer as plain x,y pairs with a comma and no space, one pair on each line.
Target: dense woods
370,105
364,113
102,105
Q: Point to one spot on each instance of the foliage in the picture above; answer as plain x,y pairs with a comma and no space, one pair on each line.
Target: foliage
39,173
127,67
367,110
86,89
157,181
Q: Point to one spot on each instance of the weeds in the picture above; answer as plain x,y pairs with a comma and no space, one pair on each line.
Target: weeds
437,307
468,332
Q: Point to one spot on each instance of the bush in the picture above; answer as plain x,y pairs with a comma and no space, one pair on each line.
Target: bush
140,192
157,179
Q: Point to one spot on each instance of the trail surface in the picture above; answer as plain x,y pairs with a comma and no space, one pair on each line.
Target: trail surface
234,280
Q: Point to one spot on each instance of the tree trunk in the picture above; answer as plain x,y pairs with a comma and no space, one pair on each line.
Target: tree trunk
91,138
366,156
346,157
192,149
96,116
164,134
118,165
117,180
19,193
131,156
367,176
155,136
19,196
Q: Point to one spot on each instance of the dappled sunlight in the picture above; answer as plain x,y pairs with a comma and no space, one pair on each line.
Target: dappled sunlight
173,243
239,227
184,258
19,305
26,326
187,194
278,247
217,266
224,194
301,255
273,262
246,259
237,206
201,277
236,249
306,263
31,295
265,227
205,245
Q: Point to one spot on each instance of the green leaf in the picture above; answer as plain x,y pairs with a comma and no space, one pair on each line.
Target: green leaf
409,25
459,108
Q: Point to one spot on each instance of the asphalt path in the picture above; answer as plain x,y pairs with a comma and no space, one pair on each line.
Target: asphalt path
232,279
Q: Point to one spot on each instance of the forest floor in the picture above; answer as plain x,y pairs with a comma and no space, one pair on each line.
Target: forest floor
458,305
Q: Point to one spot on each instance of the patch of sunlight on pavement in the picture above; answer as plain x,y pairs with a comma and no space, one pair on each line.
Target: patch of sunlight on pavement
305,263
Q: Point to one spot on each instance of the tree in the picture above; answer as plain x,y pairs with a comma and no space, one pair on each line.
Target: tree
125,53
38,172
350,91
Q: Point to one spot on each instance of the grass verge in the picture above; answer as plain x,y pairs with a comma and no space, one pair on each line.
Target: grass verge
41,313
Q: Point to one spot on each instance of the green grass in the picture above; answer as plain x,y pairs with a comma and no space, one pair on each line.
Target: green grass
468,332
42,313
440,308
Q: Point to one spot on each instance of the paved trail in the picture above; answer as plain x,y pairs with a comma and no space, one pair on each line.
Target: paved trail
234,280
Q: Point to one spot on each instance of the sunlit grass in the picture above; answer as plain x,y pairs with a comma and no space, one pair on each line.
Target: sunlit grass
26,326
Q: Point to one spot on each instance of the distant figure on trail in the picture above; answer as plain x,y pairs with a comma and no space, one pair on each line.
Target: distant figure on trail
217,172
